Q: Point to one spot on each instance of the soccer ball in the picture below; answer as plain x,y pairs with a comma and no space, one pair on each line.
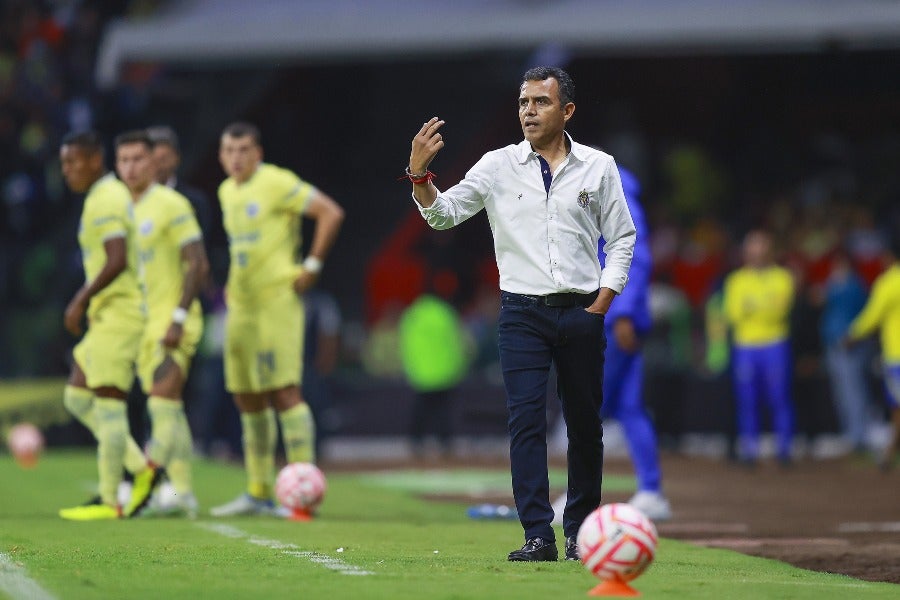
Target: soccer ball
300,487
617,542
25,442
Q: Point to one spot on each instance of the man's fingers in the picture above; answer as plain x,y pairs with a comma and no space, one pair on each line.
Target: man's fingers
432,124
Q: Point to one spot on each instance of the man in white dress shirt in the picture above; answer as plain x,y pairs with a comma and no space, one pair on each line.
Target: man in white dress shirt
548,200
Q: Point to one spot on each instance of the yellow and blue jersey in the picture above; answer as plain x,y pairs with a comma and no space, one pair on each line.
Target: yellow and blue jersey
757,305
107,214
165,224
262,220
882,310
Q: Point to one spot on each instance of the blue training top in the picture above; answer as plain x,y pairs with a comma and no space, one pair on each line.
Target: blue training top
634,301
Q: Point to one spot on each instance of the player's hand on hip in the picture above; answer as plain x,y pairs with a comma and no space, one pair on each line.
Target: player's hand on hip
425,146
305,281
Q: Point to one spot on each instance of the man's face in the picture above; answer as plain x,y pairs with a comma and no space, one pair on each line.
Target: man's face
239,156
166,159
80,168
757,249
135,166
541,115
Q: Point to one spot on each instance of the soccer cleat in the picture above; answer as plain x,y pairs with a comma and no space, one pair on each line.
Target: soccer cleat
653,504
535,549
144,483
572,548
91,512
245,505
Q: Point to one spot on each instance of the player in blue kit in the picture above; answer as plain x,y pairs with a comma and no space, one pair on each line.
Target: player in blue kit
627,321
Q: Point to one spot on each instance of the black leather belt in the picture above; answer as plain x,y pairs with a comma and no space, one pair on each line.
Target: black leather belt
562,300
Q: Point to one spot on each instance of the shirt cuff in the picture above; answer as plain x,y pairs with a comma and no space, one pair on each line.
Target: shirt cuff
613,279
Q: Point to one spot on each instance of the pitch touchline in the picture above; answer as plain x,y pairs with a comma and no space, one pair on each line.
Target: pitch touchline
886,527
16,584
334,564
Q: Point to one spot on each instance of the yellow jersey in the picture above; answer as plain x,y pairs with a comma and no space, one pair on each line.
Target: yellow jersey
882,310
262,220
108,214
757,304
165,224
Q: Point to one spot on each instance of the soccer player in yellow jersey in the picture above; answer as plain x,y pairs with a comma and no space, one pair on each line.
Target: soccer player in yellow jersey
173,268
103,366
882,311
262,206
757,301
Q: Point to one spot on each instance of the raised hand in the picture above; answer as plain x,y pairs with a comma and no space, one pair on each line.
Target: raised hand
425,146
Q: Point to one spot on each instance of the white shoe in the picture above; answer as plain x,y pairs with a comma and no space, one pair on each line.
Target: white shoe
652,504
559,505
123,493
166,502
243,505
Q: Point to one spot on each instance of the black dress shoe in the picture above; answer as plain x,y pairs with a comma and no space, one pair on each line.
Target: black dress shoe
535,549
572,548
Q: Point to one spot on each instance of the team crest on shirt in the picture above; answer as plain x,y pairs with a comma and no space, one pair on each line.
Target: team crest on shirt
252,209
584,198
146,227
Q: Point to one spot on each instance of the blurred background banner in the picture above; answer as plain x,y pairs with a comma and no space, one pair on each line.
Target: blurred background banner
35,401
732,115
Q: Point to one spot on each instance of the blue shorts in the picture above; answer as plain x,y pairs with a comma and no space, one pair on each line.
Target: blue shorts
892,384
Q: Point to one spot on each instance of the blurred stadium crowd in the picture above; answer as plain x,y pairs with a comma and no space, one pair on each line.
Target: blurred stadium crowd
804,146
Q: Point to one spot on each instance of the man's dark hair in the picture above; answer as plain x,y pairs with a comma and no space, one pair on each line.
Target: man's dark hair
135,136
89,141
242,129
566,84
163,134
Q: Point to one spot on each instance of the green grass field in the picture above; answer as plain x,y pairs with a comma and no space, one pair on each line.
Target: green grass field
374,539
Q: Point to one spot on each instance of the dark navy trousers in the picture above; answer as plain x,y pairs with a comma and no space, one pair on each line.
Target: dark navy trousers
531,337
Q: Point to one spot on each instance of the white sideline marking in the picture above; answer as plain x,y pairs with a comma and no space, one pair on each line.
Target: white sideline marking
333,564
861,584
885,527
16,584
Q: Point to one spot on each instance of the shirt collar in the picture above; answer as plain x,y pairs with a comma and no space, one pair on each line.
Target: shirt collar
524,151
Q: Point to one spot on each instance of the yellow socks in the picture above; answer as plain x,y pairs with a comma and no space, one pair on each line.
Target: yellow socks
179,467
298,433
112,433
260,435
171,444
80,403
164,415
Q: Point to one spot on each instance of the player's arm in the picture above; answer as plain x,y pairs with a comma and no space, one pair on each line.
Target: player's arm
116,249
425,146
870,317
328,216
193,256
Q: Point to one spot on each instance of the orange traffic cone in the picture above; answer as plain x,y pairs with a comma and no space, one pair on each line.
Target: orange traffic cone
611,587
300,514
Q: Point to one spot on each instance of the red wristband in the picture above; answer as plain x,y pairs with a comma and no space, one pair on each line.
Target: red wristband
418,180
428,176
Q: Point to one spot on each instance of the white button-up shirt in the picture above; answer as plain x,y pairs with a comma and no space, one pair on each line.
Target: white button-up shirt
546,242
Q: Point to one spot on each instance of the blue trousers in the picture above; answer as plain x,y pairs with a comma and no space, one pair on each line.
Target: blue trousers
531,337
763,373
623,400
